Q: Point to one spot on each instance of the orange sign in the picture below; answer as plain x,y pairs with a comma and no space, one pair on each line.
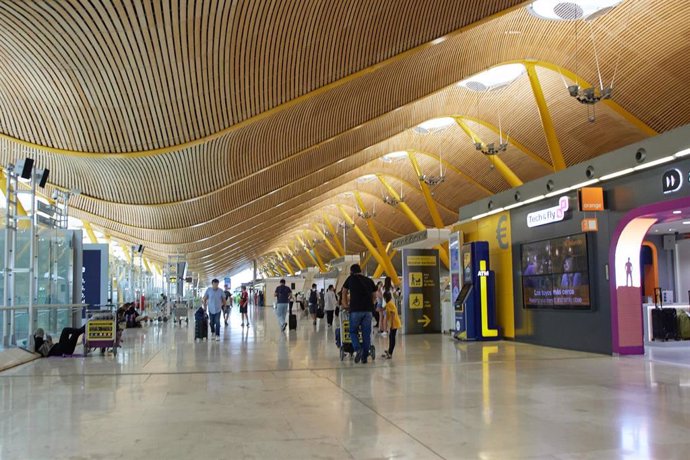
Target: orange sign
591,199
590,225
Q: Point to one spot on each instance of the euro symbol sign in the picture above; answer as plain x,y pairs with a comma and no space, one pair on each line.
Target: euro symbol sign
502,232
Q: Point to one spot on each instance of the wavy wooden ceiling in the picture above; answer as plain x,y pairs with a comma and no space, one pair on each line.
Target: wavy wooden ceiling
221,130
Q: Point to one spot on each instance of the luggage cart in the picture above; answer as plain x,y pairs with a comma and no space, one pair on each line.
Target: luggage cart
102,332
342,337
181,312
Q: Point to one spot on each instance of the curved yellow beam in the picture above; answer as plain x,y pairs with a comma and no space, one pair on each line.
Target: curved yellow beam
430,202
89,232
370,247
503,169
555,151
610,103
379,244
330,246
334,234
443,254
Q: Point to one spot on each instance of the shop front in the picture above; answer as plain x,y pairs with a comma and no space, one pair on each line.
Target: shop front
601,251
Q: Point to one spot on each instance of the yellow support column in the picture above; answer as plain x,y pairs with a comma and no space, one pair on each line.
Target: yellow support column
503,169
377,239
89,232
379,270
307,251
331,248
366,259
313,254
336,241
286,264
443,254
297,260
430,203
366,241
546,120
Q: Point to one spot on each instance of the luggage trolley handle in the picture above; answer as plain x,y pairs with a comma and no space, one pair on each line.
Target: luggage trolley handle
658,298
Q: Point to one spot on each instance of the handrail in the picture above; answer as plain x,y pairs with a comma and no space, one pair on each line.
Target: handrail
44,306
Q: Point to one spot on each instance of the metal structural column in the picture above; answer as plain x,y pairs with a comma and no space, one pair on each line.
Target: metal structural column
546,120
443,254
365,240
334,234
390,269
503,169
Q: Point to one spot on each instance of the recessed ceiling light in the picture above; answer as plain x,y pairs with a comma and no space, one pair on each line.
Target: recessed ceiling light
494,78
677,212
559,10
671,229
687,222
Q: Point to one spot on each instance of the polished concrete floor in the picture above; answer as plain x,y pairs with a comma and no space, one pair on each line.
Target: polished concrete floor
261,394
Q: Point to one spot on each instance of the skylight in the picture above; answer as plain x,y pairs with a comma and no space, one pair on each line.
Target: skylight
394,156
367,178
559,10
494,78
433,125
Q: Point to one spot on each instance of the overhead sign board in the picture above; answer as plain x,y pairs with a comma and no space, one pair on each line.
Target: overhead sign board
549,215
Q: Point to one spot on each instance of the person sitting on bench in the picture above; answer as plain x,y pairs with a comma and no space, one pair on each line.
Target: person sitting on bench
43,344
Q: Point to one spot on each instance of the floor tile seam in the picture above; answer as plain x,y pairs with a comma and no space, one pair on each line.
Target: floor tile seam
388,420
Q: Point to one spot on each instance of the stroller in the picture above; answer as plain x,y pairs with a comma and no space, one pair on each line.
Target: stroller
342,337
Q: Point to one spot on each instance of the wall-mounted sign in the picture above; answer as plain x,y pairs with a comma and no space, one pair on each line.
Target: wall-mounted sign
550,215
590,225
672,181
591,199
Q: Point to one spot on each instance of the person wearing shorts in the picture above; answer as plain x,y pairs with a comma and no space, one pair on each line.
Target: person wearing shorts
244,304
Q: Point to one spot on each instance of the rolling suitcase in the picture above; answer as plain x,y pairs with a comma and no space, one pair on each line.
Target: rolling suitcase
292,322
319,313
670,320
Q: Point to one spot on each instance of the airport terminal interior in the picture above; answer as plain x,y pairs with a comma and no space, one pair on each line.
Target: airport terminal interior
356,229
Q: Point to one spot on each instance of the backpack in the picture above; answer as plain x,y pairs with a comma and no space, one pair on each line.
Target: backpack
44,350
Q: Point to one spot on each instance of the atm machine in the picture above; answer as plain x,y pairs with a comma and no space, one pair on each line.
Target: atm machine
475,305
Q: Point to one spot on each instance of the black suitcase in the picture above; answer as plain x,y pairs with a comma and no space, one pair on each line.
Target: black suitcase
319,313
201,329
665,324
292,322
658,325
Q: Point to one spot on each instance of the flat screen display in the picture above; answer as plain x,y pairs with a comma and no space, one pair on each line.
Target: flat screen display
462,297
555,273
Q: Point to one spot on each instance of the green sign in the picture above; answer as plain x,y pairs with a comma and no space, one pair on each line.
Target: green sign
421,291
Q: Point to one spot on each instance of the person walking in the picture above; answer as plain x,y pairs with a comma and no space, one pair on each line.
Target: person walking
330,302
359,294
214,301
244,305
393,323
380,310
228,304
283,296
313,302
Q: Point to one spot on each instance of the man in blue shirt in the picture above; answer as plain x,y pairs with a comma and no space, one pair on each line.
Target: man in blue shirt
214,301
283,295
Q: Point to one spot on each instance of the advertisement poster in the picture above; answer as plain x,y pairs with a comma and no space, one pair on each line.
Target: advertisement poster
555,273
422,294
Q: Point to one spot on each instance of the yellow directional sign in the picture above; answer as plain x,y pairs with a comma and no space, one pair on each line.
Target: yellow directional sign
425,320
416,280
416,301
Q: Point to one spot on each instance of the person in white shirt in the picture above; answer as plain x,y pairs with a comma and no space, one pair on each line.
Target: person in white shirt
330,302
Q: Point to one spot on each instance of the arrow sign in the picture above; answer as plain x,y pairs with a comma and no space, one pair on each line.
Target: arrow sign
425,320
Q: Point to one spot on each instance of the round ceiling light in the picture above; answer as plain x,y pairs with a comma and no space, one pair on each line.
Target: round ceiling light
494,78
559,10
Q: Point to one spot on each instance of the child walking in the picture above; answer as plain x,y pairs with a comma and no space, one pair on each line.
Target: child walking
394,324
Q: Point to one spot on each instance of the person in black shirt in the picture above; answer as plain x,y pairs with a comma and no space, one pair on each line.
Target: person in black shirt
359,294
283,298
313,302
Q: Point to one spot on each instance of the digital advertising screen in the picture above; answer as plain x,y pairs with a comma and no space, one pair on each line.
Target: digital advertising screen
555,273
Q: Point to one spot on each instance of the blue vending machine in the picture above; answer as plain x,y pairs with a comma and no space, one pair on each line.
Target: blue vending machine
475,305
